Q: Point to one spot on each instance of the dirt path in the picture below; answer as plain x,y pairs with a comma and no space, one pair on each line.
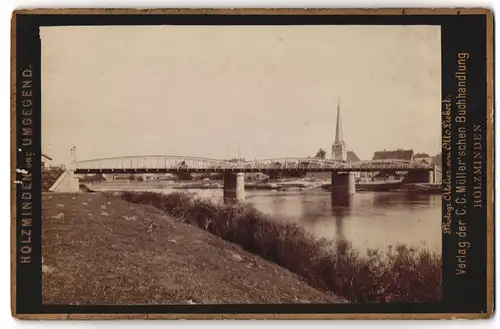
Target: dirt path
99,249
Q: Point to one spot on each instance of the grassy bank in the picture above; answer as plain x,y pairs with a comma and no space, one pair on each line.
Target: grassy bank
101,250
396,275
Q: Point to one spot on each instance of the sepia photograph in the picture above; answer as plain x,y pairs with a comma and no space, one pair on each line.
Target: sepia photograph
248,164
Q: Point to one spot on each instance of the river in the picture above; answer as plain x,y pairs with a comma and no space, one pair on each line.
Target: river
370,220
373,220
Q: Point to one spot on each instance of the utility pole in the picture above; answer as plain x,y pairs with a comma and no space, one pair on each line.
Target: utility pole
73,153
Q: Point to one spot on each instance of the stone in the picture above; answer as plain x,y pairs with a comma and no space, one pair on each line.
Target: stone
237,257
58,216
47,269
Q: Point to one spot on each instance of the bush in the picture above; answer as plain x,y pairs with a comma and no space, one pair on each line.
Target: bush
399,274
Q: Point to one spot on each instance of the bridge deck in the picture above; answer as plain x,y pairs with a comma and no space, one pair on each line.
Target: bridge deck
177,164
244,170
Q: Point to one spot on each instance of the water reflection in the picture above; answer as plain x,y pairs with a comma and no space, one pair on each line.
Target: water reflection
365,220
341,206
313,210
410,201
336,208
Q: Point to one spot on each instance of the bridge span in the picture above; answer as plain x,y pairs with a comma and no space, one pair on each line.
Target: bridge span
173,164
342,171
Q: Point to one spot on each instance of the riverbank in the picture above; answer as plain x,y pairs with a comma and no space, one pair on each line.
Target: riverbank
124,185
400,274
99,249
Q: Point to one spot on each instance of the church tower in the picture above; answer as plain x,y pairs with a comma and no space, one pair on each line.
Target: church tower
339,149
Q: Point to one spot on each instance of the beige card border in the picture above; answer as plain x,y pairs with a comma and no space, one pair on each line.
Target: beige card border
388,11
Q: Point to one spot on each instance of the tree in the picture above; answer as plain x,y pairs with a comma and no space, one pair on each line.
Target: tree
99,177
321,154
184,175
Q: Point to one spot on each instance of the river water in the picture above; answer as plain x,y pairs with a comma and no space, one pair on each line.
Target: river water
370,220
373,220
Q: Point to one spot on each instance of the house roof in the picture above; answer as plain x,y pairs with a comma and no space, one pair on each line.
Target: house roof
46,156
393,155
351,156
422,155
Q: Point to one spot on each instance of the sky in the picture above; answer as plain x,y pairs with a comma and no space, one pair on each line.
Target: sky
222,91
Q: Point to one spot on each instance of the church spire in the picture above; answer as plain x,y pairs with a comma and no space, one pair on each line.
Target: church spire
339,151
339,138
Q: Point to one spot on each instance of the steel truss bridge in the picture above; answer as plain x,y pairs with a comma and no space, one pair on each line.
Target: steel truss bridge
175,164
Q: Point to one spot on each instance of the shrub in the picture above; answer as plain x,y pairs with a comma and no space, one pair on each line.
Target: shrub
399,274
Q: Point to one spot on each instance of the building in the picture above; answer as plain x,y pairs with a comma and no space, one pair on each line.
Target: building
423,157
339,147
46,161
256,176
339,151
437,160
351,156
399,154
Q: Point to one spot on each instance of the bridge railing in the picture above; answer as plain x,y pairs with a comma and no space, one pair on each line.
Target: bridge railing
205,164
154,162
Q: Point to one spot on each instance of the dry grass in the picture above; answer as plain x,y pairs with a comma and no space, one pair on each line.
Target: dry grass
400,274
99,249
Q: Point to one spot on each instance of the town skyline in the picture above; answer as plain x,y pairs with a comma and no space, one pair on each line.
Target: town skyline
122,91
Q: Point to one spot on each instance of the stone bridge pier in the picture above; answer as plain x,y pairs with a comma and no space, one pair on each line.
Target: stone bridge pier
234,187
343,184
420,176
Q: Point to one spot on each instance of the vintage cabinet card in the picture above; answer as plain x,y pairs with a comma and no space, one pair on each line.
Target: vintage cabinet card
252,164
